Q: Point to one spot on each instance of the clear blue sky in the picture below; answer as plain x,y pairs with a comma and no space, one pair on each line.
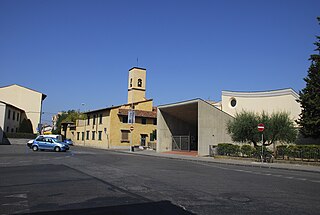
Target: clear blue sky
77,51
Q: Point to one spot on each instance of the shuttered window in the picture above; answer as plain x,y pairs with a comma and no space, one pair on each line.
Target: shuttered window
125,135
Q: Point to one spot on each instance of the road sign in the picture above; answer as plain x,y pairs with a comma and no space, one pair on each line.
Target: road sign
260,127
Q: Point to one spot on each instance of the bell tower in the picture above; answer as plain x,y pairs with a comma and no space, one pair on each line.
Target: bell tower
136,85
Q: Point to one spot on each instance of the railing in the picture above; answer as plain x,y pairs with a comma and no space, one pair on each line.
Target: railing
152,145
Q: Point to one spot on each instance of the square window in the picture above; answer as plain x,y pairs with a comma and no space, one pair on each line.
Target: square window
125,135
125,119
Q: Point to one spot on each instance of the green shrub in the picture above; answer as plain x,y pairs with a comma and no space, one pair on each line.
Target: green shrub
247,150
299,151
228,149
282,151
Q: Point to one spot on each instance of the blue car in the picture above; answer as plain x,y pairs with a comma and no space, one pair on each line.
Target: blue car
48,143
68,142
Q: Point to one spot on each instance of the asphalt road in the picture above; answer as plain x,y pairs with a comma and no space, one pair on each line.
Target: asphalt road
93,181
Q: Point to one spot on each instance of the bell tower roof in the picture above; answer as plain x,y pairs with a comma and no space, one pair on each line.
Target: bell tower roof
137,68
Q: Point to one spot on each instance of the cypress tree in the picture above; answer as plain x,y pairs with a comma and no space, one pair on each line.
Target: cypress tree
310,97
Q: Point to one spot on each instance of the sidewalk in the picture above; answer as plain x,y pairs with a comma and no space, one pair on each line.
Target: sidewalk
286,166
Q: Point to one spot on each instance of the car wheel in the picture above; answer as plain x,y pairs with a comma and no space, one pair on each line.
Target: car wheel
35,148
57,149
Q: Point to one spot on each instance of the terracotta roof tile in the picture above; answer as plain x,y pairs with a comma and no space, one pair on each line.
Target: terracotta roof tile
139,113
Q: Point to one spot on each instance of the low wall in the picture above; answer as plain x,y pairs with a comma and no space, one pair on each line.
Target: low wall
14,141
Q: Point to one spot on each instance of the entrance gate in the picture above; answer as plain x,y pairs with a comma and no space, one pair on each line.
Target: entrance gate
180,143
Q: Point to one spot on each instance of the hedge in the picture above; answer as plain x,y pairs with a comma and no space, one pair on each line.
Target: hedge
228,149
244,151
299,151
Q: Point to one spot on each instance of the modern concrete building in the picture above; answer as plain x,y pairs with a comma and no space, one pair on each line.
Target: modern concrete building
196,124
109,128
193,125
269,101
28,100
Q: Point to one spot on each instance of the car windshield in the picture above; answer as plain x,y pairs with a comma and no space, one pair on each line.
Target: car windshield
55,140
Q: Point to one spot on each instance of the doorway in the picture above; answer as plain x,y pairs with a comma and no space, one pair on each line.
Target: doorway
143,139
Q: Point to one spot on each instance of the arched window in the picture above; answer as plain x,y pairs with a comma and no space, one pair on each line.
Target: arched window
139,82
130,82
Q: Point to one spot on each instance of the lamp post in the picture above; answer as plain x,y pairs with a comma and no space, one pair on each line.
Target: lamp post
84,121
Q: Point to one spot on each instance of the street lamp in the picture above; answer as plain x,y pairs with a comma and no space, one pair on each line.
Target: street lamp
84,121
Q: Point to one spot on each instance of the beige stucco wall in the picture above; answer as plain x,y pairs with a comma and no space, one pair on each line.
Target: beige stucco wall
2,117
12,125
111,127
26,99
268,101
117,126
82,126
146,106
136,93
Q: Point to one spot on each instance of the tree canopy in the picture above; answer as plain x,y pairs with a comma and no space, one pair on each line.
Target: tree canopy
67,116
278,127
310,97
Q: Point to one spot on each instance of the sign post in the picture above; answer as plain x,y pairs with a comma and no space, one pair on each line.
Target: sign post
131,120
261,129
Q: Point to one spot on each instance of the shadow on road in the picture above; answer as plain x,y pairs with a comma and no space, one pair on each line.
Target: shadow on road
154,208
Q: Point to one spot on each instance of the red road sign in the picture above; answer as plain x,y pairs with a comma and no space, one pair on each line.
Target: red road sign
260,127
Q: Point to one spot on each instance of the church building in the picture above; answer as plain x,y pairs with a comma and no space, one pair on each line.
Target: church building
121,126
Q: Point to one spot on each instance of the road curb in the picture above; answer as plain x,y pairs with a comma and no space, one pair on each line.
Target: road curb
265,166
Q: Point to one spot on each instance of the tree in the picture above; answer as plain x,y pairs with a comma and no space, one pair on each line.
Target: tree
244,128
67,116
26,126
310,97
278,127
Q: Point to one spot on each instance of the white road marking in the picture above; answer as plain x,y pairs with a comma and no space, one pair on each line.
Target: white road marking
14,203
289,177
19,195
302,179
24,161
19,203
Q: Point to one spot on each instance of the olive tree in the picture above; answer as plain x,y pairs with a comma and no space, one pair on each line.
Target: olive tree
278,127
